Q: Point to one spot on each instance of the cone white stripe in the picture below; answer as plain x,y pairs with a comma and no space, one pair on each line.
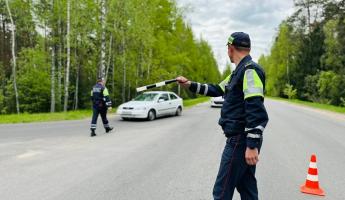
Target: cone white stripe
313,165
312,178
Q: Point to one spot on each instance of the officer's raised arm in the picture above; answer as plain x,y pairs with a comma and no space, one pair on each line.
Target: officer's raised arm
203,89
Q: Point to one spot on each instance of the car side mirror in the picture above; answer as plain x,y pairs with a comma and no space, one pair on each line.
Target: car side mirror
160,100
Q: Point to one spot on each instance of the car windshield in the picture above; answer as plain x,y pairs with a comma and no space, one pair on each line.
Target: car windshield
146,97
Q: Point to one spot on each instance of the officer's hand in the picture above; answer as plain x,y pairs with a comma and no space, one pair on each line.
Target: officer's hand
184,82
110,108
252,156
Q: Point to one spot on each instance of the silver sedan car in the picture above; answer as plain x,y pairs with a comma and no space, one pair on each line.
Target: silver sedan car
150,105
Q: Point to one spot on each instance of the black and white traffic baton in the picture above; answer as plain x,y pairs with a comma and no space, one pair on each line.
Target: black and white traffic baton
160,84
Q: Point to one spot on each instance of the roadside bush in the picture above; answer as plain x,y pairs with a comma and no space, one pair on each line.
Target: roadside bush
33,81
329,87
311,89
289,91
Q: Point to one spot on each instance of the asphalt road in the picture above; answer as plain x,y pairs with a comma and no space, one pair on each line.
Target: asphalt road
168,159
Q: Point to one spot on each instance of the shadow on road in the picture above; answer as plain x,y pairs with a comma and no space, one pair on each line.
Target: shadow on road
145,120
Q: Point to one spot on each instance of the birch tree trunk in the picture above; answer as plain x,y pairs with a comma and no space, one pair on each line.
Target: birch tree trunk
129,90
149,64
109,56
59,67
59,78
52,88
14,62
68,56
76,95
103,21
124,68
113,79
3,53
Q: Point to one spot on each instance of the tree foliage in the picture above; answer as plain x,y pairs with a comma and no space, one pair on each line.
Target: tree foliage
139,42
309,53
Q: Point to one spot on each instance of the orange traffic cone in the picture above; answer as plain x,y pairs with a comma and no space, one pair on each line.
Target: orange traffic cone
312,183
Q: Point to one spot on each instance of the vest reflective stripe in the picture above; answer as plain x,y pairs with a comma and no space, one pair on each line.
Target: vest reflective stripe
252,84
261,128
97,89
224,82
255,136
105,92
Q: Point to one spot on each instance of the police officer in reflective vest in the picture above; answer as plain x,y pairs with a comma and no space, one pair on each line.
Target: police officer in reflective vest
101,104
243,120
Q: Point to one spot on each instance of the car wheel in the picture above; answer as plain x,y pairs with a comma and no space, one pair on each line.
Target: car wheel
179,111
151,115
125,118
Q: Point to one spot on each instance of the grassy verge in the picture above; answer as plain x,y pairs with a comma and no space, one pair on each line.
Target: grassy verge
44,117
192,102
313,105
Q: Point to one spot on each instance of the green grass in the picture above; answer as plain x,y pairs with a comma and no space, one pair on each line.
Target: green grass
44,117
313,105
192,102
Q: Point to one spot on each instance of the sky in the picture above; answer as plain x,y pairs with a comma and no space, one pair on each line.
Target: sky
215,20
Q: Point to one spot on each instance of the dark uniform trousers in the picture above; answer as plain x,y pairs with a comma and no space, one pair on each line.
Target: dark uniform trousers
99,111
234,172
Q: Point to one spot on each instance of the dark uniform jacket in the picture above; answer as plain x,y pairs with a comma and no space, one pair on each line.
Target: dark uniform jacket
100,96
243,110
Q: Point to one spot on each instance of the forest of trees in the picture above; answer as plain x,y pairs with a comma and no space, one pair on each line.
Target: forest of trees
307,59
52,51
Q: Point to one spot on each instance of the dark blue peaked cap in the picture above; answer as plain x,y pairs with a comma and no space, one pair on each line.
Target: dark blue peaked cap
239,39
100,78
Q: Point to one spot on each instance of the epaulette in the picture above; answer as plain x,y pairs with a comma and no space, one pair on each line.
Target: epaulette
249,64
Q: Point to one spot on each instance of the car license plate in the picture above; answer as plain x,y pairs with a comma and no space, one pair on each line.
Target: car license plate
126,112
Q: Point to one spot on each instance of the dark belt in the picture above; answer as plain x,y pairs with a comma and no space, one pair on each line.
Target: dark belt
241,135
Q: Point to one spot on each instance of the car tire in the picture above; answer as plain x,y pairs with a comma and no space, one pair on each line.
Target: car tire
125,118
151,115
178,111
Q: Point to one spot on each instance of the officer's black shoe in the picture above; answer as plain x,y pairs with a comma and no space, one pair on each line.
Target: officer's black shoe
108,129
93,133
